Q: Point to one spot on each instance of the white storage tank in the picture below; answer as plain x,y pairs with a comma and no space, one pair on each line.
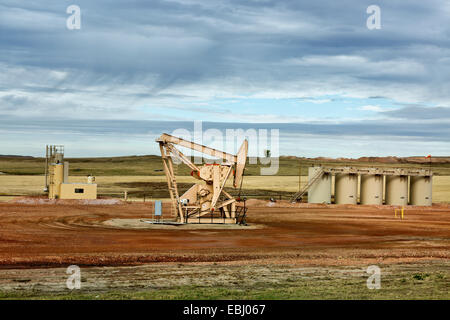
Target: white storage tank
372,189
320,191
397,190
421,190
56,179
346,188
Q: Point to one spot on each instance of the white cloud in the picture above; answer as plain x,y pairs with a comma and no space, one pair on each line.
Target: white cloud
129,62
371,108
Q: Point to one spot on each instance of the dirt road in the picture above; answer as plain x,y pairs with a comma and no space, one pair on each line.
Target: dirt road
56,235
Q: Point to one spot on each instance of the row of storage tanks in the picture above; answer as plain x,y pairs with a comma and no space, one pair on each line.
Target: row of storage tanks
396,189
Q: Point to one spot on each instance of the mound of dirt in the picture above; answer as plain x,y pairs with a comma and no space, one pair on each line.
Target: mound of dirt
141,224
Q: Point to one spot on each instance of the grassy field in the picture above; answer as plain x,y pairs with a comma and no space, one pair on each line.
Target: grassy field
142,176
398,281
152,166
156,187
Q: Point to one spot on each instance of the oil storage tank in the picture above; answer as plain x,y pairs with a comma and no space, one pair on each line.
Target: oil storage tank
320,191
397,190
372,189
346,188
421,190
56,179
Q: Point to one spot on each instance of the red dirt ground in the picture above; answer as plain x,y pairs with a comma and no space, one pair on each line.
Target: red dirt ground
50,235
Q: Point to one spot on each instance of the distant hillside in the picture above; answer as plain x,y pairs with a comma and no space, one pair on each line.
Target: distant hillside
387,160
152,165
8,156
390,159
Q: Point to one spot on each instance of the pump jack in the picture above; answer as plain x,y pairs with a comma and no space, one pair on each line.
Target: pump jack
206,201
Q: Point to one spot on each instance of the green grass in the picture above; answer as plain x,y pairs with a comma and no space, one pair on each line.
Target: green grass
398,286
152,165
133,165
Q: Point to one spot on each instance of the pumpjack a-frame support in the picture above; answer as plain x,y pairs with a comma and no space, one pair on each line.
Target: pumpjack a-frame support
206,201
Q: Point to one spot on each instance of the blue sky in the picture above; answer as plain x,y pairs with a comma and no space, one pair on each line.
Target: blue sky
253,62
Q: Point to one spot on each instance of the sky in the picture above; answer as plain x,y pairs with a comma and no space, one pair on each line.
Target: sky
311,69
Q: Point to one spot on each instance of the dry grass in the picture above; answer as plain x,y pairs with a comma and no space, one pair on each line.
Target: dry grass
33,185
217,281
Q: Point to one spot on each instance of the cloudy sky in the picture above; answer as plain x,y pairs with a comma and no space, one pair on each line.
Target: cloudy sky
312,69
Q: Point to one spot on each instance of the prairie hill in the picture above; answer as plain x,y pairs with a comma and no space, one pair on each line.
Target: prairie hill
149,165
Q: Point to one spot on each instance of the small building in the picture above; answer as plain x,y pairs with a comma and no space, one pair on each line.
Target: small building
60,188
57,178
78,191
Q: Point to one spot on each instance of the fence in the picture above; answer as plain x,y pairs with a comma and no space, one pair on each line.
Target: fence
139,197
130,196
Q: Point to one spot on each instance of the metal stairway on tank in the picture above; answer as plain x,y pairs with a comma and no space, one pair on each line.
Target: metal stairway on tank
305,189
